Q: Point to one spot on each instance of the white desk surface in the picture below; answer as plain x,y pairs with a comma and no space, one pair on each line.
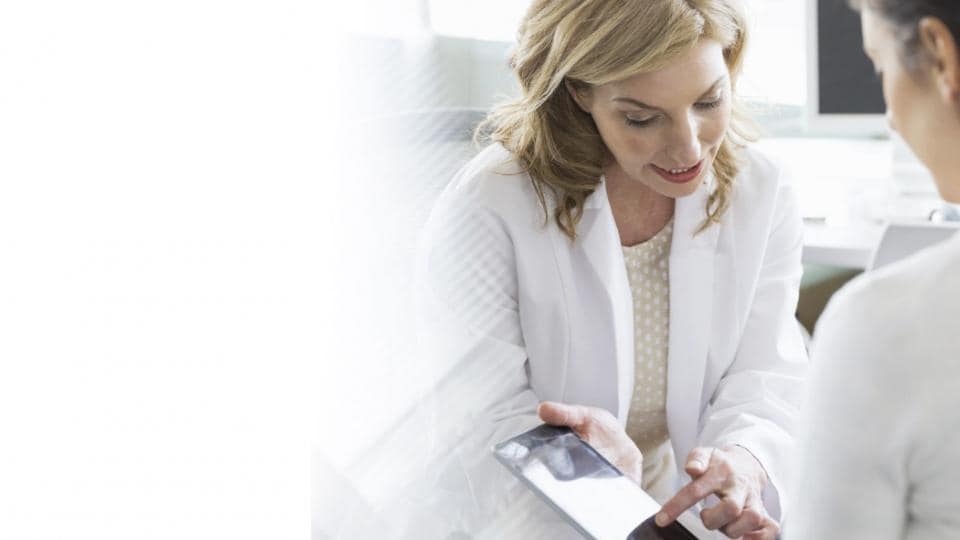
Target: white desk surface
848,189
849,246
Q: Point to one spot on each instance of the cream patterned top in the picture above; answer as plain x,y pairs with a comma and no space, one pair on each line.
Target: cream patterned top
648,272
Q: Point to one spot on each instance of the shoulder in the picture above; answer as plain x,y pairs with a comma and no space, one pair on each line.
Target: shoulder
490,198
761,177
763,200
912,285
904,310
494,179
887,342
759,164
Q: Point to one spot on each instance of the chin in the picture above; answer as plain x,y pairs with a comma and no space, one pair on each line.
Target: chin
678,191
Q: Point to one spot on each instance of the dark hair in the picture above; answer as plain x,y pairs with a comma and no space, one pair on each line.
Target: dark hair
905,16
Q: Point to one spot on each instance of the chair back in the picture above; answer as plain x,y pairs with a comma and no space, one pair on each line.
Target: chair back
902,239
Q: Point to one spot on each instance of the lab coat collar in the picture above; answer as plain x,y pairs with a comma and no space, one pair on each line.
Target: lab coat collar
600,241
692,260
691,294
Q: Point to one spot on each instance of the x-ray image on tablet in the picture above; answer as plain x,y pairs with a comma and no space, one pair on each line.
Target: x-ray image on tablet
592,494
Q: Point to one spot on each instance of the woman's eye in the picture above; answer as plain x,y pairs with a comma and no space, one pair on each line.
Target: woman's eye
710,104
642,122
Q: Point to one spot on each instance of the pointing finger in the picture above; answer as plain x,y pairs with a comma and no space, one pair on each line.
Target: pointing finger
688,496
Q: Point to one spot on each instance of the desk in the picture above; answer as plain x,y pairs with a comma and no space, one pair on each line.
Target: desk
848,246
847,190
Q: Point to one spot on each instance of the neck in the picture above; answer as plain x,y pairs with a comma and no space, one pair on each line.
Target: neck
948,176
639,212
945,165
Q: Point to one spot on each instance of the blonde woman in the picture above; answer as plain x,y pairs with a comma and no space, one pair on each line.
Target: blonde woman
619,253
882,441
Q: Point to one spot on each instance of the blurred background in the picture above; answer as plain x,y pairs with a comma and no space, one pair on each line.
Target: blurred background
209,213
422,73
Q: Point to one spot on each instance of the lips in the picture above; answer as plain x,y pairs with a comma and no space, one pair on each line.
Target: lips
680,175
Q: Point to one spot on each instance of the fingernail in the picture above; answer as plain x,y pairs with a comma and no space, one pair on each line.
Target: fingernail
661,519
694,464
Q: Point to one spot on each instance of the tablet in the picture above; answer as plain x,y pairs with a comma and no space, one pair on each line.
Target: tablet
586,489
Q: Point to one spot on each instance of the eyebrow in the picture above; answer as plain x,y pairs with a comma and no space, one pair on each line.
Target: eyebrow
643,105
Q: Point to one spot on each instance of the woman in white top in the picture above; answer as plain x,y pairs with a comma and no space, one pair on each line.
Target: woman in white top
619,249
882,440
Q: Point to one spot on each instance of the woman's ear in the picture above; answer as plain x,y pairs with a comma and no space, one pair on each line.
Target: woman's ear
941,48
581,96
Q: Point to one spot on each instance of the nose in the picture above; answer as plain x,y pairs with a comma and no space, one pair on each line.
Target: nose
683,148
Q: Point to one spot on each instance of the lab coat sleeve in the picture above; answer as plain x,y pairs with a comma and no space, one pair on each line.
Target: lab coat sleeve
757,400
467,295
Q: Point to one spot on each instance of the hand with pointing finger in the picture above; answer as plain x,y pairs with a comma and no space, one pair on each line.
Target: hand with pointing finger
737,479
601,430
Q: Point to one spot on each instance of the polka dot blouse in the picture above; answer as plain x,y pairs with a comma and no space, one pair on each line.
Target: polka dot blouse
648,272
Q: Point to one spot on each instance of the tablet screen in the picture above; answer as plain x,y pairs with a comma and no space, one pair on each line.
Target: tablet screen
593,495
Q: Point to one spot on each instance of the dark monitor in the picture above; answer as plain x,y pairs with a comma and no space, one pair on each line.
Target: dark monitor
844,92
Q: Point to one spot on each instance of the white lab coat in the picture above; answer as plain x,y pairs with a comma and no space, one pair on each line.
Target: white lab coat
518,313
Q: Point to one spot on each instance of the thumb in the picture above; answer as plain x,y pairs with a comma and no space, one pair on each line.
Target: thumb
697,461
561,414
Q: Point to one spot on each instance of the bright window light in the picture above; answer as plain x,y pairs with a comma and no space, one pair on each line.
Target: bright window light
774,70
492,20
402,19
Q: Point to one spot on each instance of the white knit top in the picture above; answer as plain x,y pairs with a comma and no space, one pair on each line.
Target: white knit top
648,272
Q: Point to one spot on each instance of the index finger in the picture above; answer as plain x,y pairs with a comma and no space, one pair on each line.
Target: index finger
689,495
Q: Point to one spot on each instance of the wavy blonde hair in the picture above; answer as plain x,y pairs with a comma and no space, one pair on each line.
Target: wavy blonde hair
593,42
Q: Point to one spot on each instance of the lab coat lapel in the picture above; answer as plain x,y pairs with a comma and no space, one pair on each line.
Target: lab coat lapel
691,304
602,247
